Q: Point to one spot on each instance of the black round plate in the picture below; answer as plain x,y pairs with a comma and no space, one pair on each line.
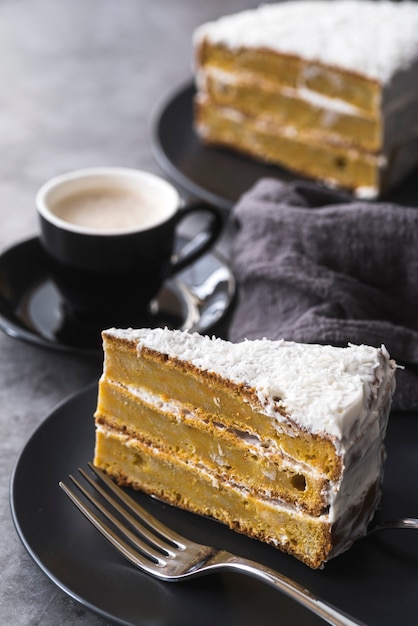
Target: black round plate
376,580
217,175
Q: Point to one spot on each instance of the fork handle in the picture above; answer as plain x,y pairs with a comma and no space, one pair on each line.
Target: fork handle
326,611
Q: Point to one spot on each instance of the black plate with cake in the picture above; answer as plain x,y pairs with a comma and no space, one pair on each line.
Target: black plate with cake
375,581
276,84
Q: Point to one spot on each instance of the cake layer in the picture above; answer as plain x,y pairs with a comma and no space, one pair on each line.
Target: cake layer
226,453
313,540
299,109
186,485
217,400
310,114
287,70
335,164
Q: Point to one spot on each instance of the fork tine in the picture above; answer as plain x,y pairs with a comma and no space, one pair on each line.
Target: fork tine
145,548
140,560
152,539
166,533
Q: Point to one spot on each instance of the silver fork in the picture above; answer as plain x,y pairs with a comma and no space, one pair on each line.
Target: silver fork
165,554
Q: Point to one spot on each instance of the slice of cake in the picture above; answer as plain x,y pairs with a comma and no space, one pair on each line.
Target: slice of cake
278,440
328,89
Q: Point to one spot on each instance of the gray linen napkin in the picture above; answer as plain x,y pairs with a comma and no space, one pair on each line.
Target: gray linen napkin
316,266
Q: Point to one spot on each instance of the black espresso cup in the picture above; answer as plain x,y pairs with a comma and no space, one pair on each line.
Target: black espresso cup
110,235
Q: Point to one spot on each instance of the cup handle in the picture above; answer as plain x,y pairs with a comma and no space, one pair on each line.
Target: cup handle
202,241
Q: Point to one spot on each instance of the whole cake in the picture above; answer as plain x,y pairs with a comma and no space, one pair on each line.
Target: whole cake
280,441
328,89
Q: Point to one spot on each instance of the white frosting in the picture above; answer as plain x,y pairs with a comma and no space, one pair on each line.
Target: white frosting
373,37
325,389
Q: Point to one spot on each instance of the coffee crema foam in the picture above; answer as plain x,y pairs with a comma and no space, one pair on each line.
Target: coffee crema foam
111,209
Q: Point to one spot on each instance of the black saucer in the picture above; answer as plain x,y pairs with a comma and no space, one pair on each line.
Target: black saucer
32,309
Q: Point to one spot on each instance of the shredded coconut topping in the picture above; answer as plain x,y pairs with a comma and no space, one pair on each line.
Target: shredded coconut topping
374,37
324,389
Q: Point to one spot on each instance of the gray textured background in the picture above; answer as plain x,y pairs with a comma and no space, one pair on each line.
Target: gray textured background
78,82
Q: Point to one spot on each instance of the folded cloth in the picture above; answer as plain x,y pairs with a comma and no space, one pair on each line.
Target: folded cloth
315,266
